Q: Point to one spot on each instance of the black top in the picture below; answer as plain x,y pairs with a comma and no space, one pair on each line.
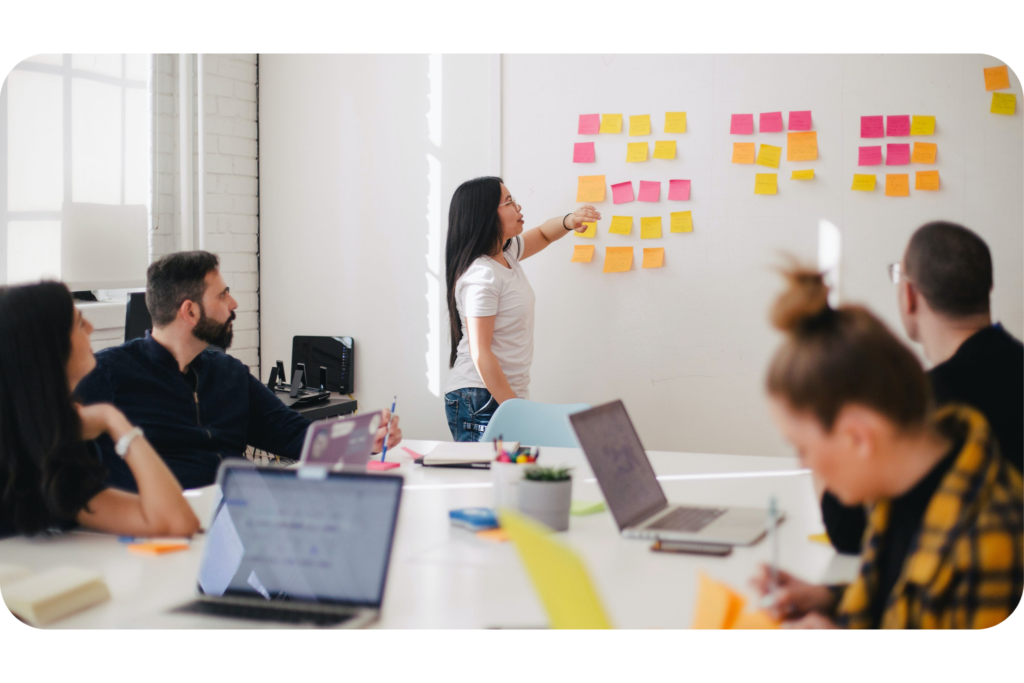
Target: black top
987,373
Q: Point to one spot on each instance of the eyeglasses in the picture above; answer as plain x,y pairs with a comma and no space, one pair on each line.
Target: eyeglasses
511,200
896,273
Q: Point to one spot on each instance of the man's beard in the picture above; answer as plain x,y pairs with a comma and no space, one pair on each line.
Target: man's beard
212,332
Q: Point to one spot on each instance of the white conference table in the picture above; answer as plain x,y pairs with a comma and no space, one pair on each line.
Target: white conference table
445,577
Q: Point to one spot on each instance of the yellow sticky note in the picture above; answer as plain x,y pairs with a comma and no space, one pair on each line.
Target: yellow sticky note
654,258
618,259
611,123
766,183
591,230
821,538
590,188
897,184
863,182
926,180
803,175
769,156
650,227
621,225
924,153
1004,103
681,221
755,620
997,78
718,606
802,146
675,122
665,149
922,125
640,125
743,152
582,253
636,151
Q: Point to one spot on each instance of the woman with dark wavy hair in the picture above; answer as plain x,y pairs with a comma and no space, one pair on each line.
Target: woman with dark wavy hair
50,473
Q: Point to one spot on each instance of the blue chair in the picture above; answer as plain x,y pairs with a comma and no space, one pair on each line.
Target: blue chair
534,424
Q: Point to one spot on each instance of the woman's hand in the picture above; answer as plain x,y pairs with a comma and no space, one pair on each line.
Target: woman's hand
584,214
793,598
394,432
102,418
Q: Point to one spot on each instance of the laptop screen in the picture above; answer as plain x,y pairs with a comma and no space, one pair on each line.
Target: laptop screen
283,535
618,459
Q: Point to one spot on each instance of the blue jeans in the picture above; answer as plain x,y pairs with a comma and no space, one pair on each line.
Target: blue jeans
469,410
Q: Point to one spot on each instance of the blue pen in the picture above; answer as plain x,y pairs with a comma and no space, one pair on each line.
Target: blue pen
394,401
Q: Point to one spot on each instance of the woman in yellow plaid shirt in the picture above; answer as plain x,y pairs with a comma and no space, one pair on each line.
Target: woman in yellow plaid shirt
943,547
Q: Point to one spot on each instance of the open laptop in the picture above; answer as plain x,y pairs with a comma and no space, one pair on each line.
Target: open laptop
302,547
634,495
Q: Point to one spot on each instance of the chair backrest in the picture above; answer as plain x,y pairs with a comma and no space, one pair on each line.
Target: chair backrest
136,317
534,424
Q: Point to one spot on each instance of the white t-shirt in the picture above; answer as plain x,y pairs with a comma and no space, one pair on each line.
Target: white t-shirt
489,288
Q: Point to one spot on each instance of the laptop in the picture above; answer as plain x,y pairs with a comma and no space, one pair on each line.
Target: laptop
303,547
344,441
634,495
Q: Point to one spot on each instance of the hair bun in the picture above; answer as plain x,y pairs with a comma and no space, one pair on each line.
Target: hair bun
805,298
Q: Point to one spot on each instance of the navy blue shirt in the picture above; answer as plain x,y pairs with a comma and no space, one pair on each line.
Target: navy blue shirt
193,431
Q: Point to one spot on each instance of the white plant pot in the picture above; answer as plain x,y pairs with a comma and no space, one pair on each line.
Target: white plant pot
548,502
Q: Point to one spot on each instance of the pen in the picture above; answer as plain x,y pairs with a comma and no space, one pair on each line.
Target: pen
773,521
394,401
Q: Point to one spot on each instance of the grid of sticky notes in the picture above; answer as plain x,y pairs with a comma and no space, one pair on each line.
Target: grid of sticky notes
998,78
879,127
801,146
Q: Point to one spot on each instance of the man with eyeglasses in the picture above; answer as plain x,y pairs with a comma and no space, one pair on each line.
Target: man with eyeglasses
943,286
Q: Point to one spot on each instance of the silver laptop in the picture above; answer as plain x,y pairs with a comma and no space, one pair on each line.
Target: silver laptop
303,547
634,495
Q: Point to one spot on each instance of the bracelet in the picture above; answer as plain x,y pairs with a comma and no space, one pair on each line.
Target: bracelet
121,447
563,220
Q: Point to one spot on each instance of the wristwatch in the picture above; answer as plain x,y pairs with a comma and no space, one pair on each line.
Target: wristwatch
121,447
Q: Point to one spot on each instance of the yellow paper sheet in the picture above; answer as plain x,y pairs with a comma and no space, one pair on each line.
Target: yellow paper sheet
640,125
755,620
621,225
1004,103
997,78
926,180
654,258
743,152
802,146
863,182
591,230
618,259
675,122
769,156
922,125
803,175
636,151
897,184
717,605
665,149
650,227
590,188
924,153
611,123
582,253
681,221
766,183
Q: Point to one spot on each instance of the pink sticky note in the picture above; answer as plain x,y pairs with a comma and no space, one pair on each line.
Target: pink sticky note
590,124
871,127
742,124
678,190
897,155
771,122
799,120
583,153
897,126
622,193
650,191
870,156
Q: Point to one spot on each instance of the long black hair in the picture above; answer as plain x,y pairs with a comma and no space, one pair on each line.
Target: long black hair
474,230
45,472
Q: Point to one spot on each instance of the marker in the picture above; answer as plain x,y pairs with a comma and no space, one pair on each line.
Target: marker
394,401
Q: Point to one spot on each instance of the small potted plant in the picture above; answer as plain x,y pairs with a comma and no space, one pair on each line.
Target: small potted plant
545,494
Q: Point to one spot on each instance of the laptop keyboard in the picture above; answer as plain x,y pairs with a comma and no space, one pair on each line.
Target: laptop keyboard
688,519
257,613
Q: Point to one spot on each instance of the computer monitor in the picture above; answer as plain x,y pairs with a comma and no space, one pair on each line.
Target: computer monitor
337,354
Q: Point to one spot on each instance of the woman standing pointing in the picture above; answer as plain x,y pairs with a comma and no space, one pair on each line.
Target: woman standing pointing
490,301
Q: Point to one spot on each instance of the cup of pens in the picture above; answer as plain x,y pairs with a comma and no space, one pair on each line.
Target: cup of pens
507,471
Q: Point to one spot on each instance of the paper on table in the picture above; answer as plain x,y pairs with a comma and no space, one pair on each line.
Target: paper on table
1003,103
742,124
611,123
678,190
869,156
675,122
590,188
493,535
640,125
580,508
897,126
590,124
618,259
897,184
460,452
800,120
654,258
582,253
591,230
924,152
769,156
650,227
622,192
802,146
766,183
922,125
771,122
665,149
803,175
926,180
583,153
897,154
743,152
636,151
871,127
997,78
650,191
717,604
621,225
682,221
863,183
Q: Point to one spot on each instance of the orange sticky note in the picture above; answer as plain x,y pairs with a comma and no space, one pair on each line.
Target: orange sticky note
997,78
591,230
924,153
650,227
157,548
590,188
500,535
582,253
926,180
897,184
654,258
681,221
766,183
618,259
755,620
863,182
802,146
743,153
717,605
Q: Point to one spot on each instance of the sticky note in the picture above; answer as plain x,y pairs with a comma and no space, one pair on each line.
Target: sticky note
591,230
863,183
743,152
581,508
754,620
897,184
766,183
771,122
493,535
654,258
769,156
678,190
924,153
583,153
803,175
897,126
1003,103
590,124
821,538
158,547
611,123
922,125
718,606
926,180
897,154
650,227
800,120
618,259
582,253
681,221
590,188
997,78
621,225
622,192
871,127
675,122
636,151
802,146
665,149
650,191
640,125
742,124
869,156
